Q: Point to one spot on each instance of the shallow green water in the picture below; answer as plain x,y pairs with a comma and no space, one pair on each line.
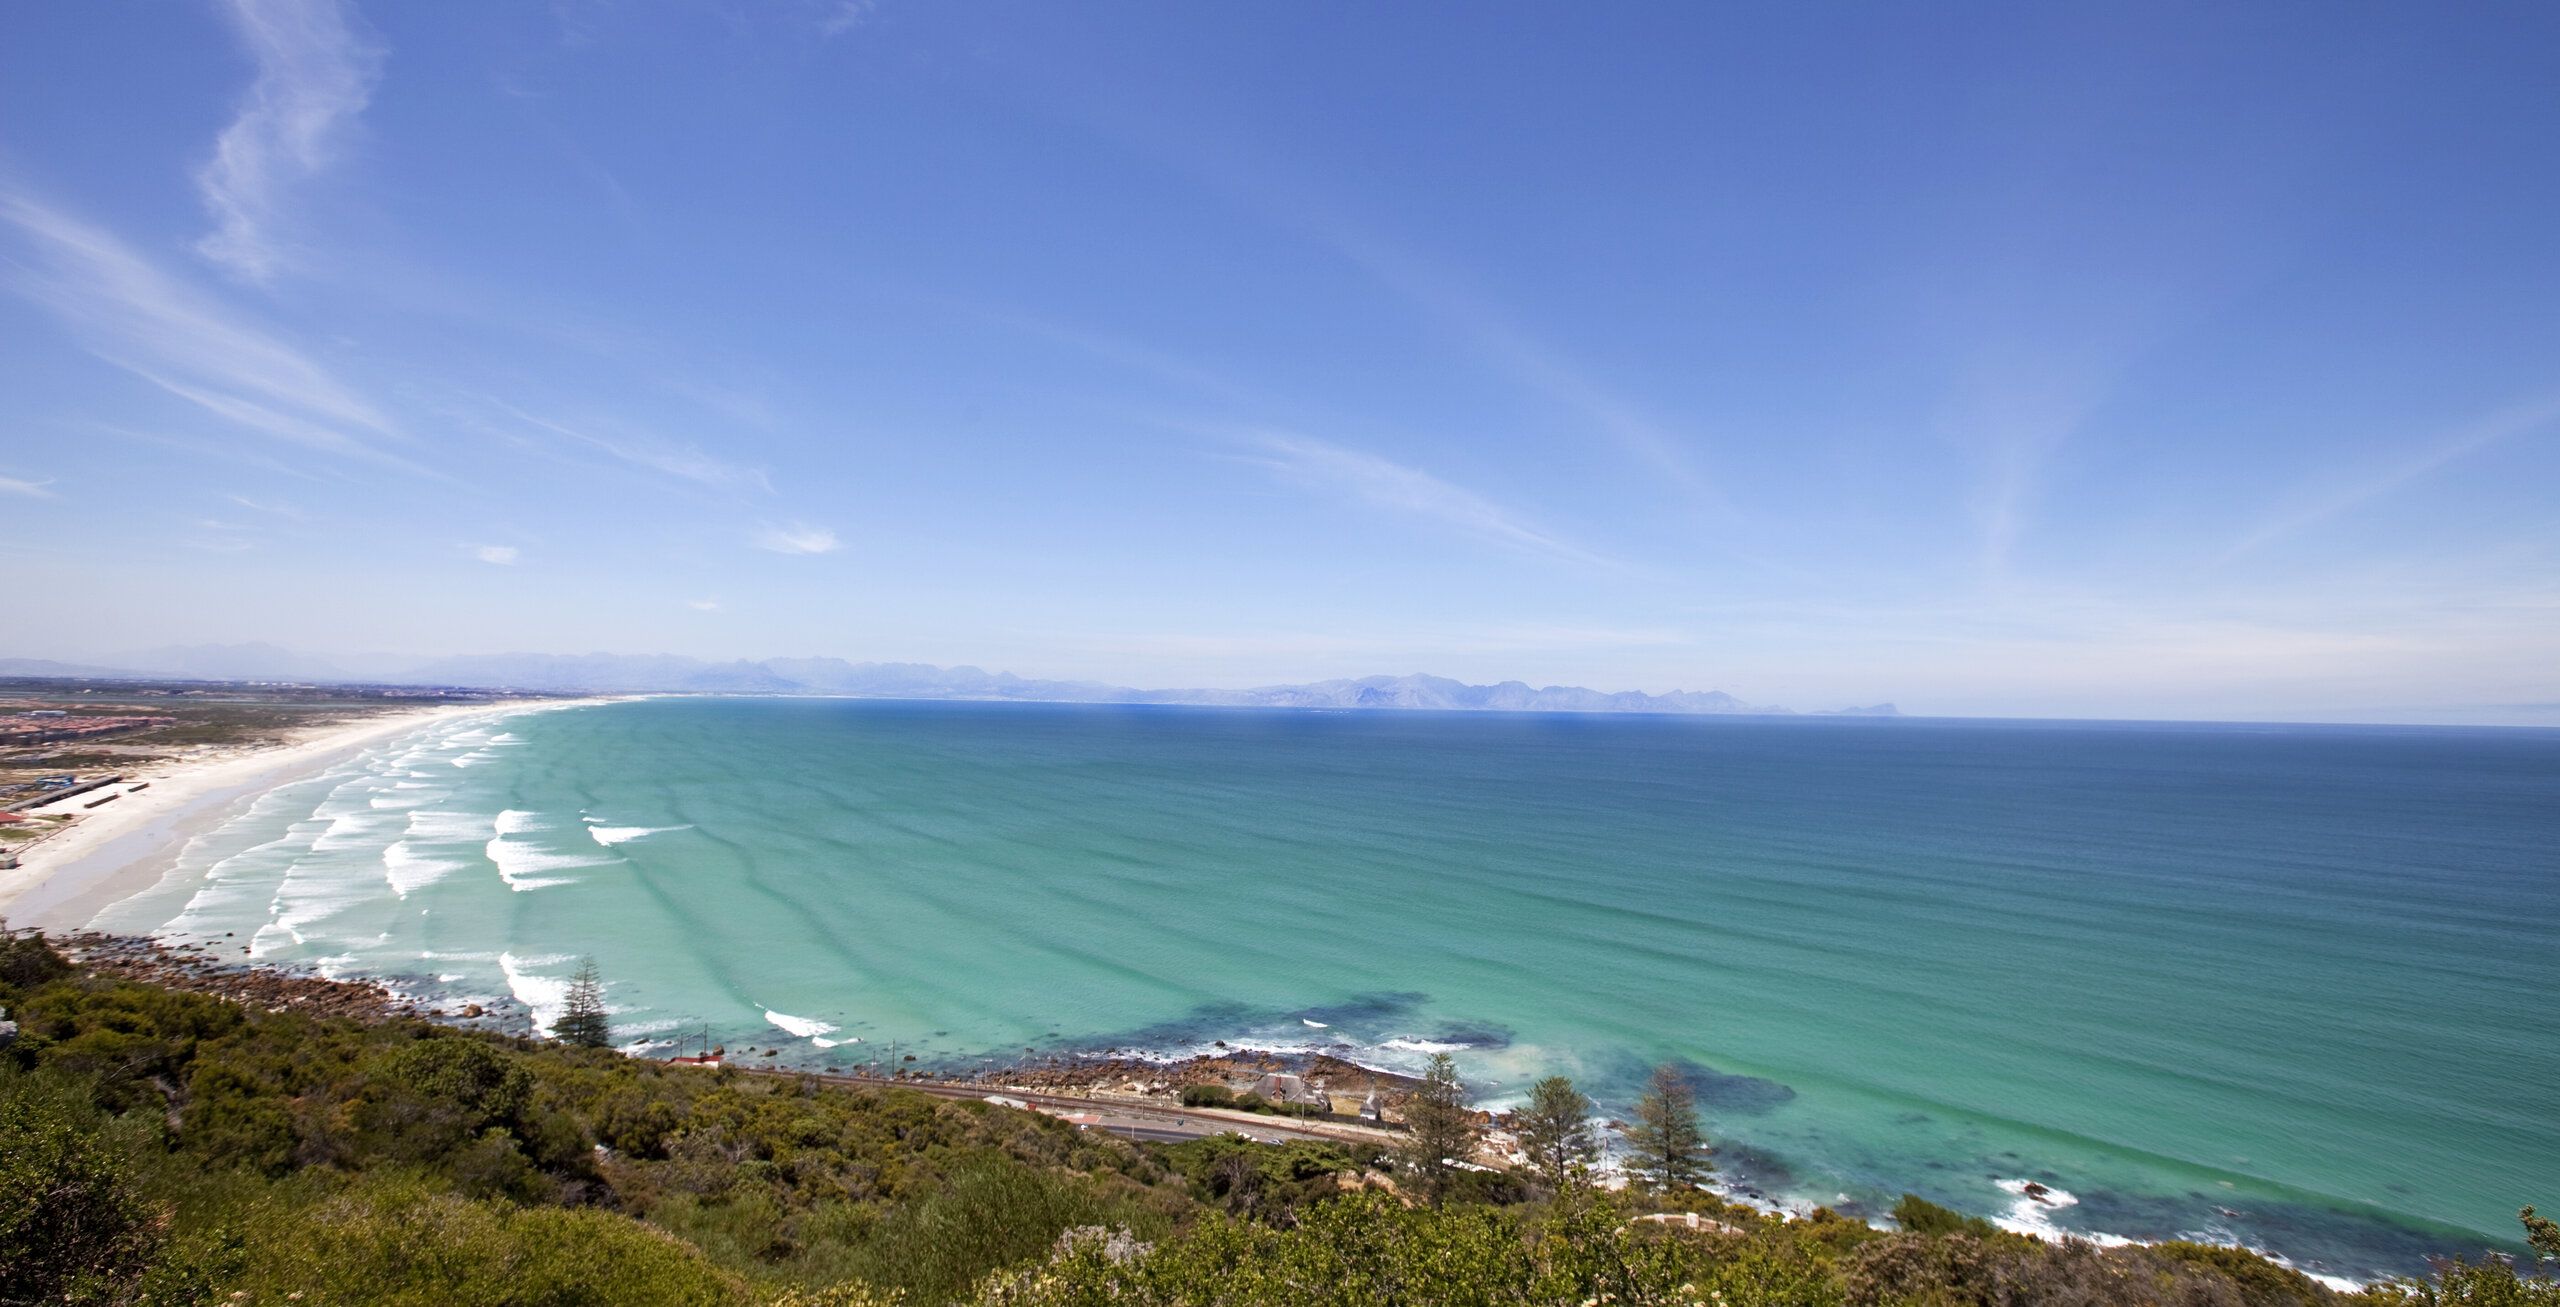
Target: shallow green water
2289,986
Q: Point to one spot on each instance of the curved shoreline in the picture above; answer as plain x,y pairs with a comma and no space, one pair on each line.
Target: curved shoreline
108,884
65,880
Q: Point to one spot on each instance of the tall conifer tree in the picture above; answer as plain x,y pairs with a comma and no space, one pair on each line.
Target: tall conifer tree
1439,1130
582,1019
1667,1149
1555,1131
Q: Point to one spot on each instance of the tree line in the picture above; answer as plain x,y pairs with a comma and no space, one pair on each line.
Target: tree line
1558,1132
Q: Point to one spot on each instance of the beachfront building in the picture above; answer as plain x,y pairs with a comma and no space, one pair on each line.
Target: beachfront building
1281,1087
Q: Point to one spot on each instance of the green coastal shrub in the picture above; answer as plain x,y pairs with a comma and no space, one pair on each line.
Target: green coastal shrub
1369,1248
1920,1216
1221,1096
1268,1181
403,1241
163,1147
26,963
74,1227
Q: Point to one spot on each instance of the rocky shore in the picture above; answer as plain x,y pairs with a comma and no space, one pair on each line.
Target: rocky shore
204,968
199,969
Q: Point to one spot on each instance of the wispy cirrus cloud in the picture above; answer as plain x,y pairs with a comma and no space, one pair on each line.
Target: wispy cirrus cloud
797,538
2330,499
843,16
315,74
128,311
270,507
30,489
1384,484
669,458
1441,295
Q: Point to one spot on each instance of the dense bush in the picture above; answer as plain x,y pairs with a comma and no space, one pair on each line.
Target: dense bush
1920,1216
404,1134
1221,1096
166,1148
73,1225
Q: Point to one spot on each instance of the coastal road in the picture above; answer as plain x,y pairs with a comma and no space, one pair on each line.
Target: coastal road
1131,1120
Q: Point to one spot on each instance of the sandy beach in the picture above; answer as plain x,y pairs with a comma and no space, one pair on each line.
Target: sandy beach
125,847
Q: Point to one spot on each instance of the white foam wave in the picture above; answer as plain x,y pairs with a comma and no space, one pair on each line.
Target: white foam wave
545,996
351,828
2032,1214
516,821
609,836
1422,1046
524,865
804,1027
1314,1025
407,869
440,824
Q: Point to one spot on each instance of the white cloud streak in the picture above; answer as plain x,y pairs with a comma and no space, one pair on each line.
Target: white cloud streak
1380,483
31,489
1529,361
138,317
680,461
285,511
502,555
314,76
1451,302
797,538
2333,499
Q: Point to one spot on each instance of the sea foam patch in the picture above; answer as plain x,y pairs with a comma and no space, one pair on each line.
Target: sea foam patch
804,1027
609,836
546,997
407,870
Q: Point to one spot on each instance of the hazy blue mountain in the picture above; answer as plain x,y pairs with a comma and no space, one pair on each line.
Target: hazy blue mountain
49,667
595,672
631,673
231,662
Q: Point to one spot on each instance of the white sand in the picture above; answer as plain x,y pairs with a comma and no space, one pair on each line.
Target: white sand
125,847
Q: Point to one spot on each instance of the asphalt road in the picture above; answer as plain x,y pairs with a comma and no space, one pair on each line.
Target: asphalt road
1165,1124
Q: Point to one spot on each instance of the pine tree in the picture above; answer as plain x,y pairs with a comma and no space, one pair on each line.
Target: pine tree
582,1019
1439,1131
1555,1131
1667,1149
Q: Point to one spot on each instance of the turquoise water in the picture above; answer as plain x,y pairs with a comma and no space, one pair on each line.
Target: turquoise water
2289,986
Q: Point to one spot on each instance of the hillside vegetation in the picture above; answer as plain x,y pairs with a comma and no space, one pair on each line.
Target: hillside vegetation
165,1147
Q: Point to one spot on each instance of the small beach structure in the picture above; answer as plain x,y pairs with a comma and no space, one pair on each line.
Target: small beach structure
709,1056
1281,1087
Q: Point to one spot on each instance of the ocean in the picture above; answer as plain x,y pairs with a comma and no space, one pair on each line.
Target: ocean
2286,986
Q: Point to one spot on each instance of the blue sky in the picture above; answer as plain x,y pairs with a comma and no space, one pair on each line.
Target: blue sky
2079,360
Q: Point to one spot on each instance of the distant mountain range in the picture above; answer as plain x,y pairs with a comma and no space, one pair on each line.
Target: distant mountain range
608,673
